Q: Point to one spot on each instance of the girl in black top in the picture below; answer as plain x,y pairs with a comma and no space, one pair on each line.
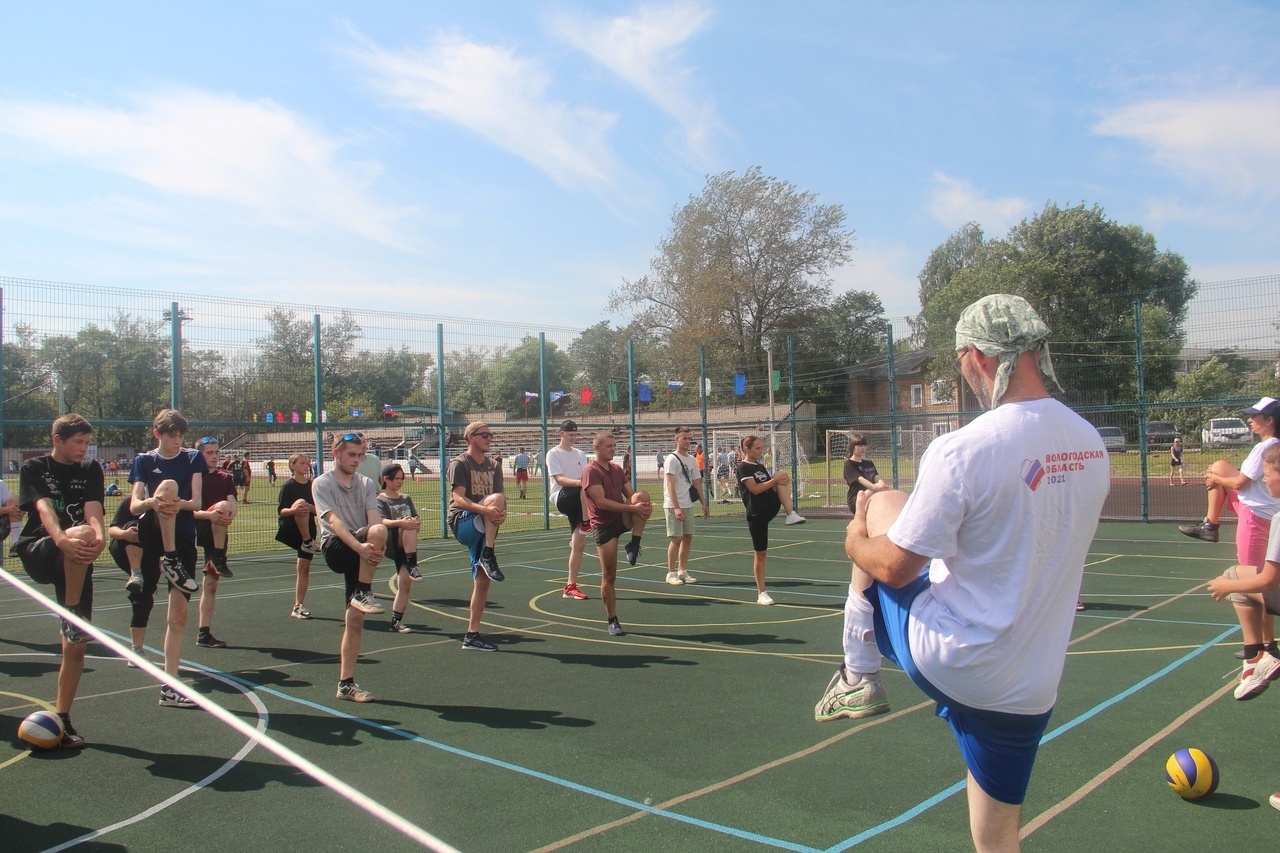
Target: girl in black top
763,494
859,472
297,527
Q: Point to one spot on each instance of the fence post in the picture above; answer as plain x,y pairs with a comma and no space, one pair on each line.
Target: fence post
2,388
631,406
1145,488
893,408
175,357
708,457
316,366
444,431
542,408
795,457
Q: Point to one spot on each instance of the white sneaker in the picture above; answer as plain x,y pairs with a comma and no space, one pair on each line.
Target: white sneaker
674,579
1257,676
795,518
685,577
764,598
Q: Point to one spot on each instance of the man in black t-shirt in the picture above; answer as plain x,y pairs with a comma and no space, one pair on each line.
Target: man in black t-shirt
62,495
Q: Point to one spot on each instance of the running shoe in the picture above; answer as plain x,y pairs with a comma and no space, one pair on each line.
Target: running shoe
135,580
1206,531
399,627
1257,676
764,598
351,691
177,574
70,737
220,563
862,698
170,698
415,574
300,612
489,562
685,577
633,553
473,643
364,601
572,591
794,517
673,578
615,628
208,641
311,546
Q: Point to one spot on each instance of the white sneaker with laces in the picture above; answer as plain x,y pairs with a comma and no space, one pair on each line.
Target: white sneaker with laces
685,577
674,579
795,518
764,598
1257,676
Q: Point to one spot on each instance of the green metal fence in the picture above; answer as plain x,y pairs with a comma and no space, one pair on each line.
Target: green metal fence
272,379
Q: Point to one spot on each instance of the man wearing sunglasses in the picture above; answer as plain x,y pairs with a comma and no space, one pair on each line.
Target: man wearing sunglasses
476,511
353,540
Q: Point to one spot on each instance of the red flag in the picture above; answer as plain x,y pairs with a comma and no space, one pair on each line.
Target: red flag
584,396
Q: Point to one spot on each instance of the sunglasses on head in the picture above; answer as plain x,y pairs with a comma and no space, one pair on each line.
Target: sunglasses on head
353,436
208,440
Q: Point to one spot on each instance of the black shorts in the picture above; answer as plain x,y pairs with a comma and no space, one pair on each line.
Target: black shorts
288,534
42,561
153,546
613,530
344,561
204,533
569,504
758,525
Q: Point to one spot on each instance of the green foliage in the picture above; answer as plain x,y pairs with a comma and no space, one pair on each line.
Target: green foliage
744,261
1085,274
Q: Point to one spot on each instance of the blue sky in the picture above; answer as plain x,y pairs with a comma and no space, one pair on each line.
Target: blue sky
519,160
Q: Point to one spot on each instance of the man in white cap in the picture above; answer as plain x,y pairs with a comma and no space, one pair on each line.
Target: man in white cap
970,584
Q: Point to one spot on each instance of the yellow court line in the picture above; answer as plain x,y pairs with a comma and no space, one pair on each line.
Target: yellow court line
1133,755
34,701
732,780
695,625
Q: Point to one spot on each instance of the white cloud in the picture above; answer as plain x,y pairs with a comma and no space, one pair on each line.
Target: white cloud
500,96
191,143
645,50
1232,140
955,202
888,270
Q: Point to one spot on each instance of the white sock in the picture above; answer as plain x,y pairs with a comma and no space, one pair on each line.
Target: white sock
861,654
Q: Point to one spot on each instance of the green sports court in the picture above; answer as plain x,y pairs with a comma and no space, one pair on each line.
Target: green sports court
694,731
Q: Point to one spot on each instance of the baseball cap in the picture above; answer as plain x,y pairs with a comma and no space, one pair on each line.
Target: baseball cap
1268,406
568,426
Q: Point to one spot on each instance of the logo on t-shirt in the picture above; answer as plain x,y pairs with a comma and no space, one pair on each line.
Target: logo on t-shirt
1032,473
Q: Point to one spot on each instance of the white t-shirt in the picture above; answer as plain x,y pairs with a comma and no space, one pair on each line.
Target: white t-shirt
567,463
1255,495
1006,508
684,478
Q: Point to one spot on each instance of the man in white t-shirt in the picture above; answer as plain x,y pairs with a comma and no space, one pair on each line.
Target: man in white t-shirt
970,584
681,489
564,467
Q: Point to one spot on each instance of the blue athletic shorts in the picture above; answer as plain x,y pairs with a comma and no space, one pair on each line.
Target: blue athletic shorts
470,532
999,749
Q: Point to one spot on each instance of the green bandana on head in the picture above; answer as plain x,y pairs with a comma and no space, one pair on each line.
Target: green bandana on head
1005,326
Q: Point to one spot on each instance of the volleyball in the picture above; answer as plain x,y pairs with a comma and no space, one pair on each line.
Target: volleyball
1191,774
42,730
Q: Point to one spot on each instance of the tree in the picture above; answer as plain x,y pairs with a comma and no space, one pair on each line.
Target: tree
837,335
464,377
741,261
598,357
519,370
287,365
28,389
1084,273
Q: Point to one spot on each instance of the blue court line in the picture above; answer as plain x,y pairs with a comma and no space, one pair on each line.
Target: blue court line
1062,729
505,765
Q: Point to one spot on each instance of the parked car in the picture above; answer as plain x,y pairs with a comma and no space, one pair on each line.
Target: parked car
1160,434
1222,432
1112,437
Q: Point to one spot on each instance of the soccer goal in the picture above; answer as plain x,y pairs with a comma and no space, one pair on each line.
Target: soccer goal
777,457
911,446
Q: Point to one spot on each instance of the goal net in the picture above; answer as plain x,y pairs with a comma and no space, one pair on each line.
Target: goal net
727,444
911,445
